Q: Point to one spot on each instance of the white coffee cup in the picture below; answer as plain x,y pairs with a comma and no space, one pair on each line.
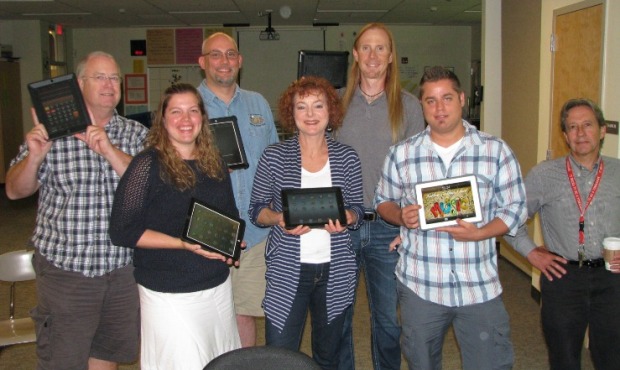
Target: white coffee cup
611,247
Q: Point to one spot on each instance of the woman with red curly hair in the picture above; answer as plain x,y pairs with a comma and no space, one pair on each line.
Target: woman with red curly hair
308,268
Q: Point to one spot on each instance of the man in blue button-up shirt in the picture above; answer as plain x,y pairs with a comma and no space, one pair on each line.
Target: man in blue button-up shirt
222,97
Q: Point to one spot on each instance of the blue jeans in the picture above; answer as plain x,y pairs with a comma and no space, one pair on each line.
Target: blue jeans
311,294
371,245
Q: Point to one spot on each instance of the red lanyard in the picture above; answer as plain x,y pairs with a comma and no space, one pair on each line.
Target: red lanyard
573,185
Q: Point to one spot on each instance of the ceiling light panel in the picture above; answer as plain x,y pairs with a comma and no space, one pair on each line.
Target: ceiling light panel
187,6
356,5
447,12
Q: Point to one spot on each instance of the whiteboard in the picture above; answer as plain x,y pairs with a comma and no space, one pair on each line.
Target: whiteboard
269,67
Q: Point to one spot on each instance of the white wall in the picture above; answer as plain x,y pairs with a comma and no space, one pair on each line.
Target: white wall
115,41
491,107
422,45
270,66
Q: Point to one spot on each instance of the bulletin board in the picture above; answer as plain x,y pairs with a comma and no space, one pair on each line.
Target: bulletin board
136,91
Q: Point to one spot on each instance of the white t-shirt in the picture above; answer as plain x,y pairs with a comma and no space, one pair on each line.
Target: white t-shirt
446,154
315,246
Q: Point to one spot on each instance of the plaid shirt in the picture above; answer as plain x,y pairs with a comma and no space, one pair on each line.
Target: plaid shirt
432,264
75,201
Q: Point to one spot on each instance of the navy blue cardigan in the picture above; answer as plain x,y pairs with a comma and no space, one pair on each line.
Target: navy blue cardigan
279,168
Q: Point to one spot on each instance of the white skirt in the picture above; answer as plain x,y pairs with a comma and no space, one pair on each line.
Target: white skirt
186,330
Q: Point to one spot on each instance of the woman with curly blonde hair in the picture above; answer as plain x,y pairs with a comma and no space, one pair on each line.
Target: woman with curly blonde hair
186,302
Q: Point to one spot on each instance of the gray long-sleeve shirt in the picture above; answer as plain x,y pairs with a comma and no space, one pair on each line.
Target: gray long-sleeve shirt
549,193
366,128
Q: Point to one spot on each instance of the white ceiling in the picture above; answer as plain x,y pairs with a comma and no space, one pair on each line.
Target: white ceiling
193,13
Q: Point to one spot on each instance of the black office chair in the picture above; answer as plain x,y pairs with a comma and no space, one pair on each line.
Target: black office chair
262,358
144,118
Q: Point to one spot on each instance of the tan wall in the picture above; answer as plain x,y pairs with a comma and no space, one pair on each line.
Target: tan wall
520,96
520,66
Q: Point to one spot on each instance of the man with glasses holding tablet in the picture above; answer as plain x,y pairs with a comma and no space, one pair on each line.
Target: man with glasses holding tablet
222,97
87,314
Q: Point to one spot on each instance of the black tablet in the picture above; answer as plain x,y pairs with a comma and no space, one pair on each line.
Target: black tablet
59,105
228,140
313,206
213,229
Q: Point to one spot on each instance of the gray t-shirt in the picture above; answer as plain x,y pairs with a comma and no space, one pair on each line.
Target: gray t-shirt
366,128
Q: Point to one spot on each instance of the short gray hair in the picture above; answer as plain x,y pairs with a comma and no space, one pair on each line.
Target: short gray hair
79,70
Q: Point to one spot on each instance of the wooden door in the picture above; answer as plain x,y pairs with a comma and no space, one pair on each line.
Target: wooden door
577,60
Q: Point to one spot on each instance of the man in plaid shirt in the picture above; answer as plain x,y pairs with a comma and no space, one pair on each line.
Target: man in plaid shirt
448,275
87,313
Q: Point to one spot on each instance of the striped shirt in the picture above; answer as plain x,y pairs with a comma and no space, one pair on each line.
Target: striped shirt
75,201
280,168
432,264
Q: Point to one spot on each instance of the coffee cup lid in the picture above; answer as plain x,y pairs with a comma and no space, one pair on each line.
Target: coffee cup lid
612,242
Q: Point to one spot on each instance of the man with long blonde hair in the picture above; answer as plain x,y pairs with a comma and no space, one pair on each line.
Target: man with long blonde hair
379,113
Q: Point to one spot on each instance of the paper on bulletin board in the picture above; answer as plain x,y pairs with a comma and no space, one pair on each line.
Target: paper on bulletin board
160,47
138,66
136,89
188,45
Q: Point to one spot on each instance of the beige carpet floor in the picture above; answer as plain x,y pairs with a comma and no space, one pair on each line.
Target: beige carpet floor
17,220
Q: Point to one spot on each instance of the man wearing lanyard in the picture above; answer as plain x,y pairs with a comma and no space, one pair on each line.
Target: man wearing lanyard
578,200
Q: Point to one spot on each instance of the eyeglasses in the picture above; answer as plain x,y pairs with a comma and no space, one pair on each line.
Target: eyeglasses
102,79
217,55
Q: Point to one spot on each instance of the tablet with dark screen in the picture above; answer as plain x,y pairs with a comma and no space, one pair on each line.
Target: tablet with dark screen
213,229
313,206
228,139
59,105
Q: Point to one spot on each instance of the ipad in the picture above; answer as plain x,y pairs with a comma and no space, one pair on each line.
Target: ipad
213,229
312,206
59,105
444,201
228,140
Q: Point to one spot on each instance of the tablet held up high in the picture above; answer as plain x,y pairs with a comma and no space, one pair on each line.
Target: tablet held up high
60,106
